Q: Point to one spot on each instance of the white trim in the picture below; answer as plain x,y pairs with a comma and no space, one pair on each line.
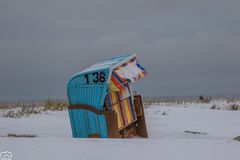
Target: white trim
119,64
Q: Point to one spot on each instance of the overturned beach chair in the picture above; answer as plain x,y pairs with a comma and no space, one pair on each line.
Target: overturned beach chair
102,103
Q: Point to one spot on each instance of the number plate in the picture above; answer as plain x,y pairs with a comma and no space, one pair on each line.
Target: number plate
95,77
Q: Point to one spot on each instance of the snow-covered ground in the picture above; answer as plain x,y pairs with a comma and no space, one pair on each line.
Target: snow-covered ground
168,139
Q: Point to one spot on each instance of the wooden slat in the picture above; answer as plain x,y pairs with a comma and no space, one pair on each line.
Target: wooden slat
112,124
141,129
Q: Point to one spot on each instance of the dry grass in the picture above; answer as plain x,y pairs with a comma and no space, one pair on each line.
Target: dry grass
237,138
217,103
24,109
156,101
55,105
215,107
233,107
172,100
202,99
233,100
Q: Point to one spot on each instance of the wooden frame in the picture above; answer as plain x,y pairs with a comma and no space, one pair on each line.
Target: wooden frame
138,127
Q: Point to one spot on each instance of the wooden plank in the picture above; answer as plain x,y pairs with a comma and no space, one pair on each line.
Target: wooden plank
141,129
95,135
112,124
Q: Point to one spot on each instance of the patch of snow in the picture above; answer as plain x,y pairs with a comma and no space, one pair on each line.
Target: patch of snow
167,136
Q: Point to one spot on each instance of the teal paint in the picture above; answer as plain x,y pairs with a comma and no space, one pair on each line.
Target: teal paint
88,88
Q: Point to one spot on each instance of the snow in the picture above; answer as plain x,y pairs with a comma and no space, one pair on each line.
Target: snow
218,124
167,137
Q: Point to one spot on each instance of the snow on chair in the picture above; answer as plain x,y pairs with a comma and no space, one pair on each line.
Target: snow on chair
101,101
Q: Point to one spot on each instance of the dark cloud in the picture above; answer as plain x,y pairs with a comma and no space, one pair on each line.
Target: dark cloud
188,47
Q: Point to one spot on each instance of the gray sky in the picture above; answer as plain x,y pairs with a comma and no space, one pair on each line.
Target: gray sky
188,47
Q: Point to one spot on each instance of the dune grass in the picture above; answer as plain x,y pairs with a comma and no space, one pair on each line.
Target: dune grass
24,109
237,138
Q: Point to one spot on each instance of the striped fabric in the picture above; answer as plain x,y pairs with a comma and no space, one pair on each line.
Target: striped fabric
128,72
118,81
122,106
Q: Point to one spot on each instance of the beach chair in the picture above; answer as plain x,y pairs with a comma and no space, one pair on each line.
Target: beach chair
102,103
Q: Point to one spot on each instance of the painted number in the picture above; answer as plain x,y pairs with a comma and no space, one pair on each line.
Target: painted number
87,78
97,77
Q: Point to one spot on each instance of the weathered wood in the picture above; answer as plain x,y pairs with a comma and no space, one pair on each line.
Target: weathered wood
95,135
112,124
137,106
141,129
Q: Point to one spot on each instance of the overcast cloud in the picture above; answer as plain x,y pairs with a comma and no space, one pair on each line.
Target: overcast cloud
188,47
